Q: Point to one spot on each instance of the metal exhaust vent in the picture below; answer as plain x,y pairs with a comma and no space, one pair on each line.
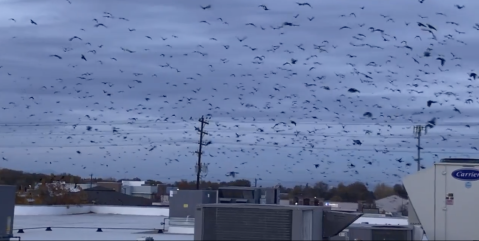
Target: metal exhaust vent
460,160
380,232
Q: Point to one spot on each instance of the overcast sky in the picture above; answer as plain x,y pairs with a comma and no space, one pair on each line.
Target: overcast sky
281,98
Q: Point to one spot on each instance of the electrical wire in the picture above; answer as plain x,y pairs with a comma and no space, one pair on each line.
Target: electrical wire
120,133
154,121
249,145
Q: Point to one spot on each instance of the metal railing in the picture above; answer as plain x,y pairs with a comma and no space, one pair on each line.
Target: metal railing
185,222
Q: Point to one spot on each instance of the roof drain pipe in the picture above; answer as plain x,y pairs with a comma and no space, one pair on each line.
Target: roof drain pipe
164,224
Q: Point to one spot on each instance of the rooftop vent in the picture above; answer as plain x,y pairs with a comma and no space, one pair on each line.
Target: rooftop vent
460,160
380,232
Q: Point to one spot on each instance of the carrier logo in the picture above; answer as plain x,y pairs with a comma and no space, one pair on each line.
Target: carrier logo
466,174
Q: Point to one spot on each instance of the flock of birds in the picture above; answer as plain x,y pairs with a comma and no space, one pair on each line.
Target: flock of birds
281,105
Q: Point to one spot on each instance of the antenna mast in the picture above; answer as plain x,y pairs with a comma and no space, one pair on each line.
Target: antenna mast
417,130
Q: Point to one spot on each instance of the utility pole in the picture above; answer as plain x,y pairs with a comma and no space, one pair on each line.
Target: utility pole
91,180
417,130
203,122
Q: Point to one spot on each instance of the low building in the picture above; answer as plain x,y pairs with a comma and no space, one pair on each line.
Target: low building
104,196
307,201
284,199
133,188
148,192
392,204
133,183
111,185
368,207
343,206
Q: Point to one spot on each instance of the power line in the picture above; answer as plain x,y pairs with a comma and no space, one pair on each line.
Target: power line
256,145
62,124
162,131
154,121
95,133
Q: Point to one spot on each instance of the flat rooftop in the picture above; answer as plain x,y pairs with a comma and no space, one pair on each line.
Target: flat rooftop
116,223
84,227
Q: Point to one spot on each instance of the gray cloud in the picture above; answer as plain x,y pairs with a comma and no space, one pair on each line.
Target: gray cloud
154,96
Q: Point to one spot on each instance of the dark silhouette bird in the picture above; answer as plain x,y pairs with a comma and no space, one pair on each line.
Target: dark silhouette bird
56,56
430,102
442,60
134,102
232,174
421,25
430,124
357,142
264,7
74,37
304,4
241,39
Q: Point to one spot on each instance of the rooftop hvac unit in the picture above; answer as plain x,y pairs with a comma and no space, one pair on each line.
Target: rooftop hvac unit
183,202
268,222
443,199
7,211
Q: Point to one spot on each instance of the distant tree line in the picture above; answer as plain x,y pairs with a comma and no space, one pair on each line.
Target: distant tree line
54,193
26,179
353,192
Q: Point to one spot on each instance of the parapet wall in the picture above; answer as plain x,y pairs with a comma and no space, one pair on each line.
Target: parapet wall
145,211
82,209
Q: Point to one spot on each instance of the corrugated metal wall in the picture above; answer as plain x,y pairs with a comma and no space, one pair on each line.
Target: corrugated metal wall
246,224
